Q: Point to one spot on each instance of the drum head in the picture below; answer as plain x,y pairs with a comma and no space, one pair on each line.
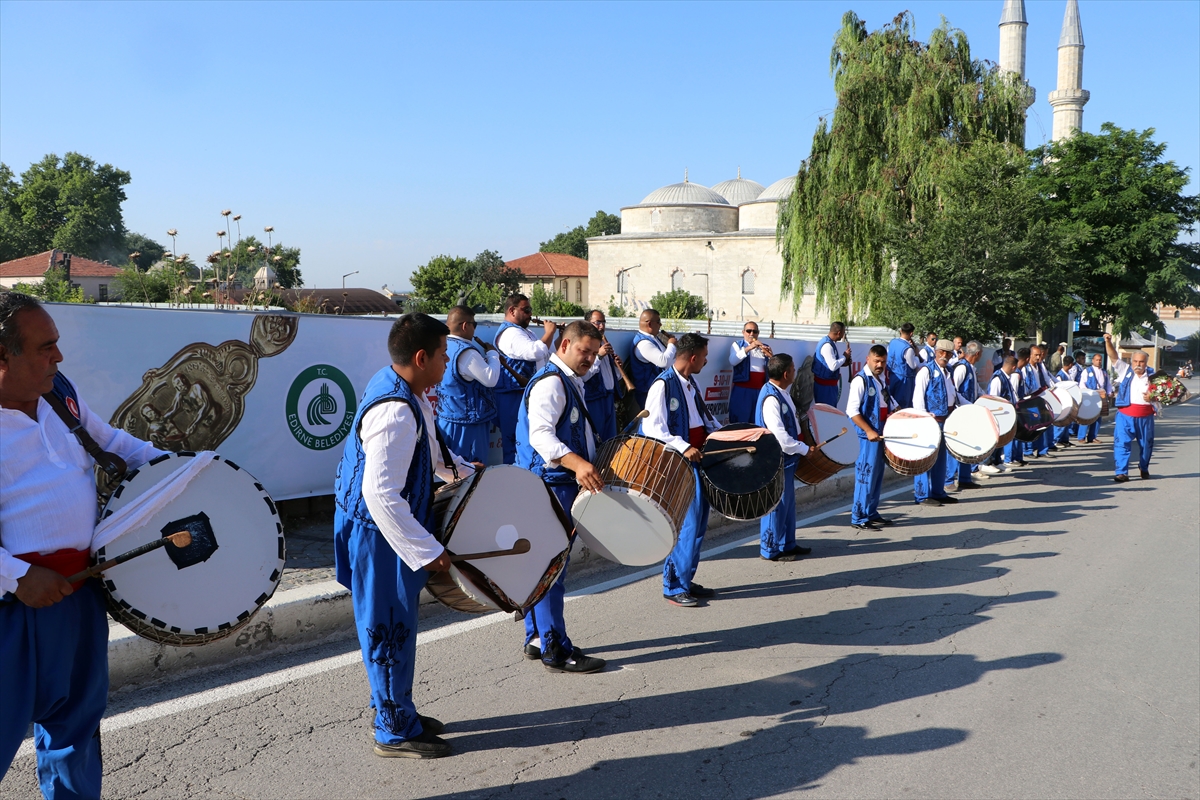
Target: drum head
1066,405
911,435
1090,406
1003,413
827,422
971,434
1071,388
624,526
183,600
490,511
744,473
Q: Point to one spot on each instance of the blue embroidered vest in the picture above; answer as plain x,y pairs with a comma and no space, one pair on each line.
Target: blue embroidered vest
594,388
785,412
927,353
1124,386
351,516
819,369
900,378
1090,381
644,373
678,418
459,400
969,388
741,370
870,404
936,402
571,429
1006,389
508,383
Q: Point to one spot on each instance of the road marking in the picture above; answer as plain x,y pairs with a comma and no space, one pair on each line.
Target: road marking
190,702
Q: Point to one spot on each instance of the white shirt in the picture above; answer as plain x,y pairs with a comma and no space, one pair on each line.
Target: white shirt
547,400
854,395
959,376
1015,381
773,419
47,487
607,369
655,424
521,344
830,357
737,354
1139,384
912,358
389,437
923,383
472,366
653,352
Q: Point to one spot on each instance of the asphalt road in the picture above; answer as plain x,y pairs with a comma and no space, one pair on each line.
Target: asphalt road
1039,639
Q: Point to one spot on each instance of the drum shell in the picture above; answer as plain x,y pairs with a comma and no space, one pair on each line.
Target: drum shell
817,466
767,460
1033,417
910,467
969,415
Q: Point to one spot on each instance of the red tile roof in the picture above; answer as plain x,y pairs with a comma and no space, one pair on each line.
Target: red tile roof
35,266
551,265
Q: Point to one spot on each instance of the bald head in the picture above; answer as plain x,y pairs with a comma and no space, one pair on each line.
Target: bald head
650,321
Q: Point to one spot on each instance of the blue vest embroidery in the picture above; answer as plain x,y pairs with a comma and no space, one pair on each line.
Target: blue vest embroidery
741,370
936,402
643,372
870,405
1124,386
969,388
594,388
508,383
462,401
571,429
1006,389
820,370
678,418
900,377
785,412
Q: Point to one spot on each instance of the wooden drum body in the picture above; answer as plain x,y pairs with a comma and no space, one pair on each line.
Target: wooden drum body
636,518
911,441
971,434
824,423
1005,415
747,485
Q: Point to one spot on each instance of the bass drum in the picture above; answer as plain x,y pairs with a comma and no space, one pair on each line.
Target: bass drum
747,485
197,594
824,424
911,440
1034,415
1090,407
490,510
971,434
1075,392
1005,415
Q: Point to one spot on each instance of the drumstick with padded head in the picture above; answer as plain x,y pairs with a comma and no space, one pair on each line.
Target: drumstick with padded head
178,539
519,546
830,439
898,438
633,422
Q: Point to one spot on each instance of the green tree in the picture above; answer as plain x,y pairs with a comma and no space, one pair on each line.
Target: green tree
71,204
546,303
903,109
249,255
149,252
574,241
446,281
679,304
54,288
1123,204
988,261
615,310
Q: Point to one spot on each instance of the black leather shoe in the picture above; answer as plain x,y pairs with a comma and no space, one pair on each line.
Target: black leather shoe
685,600
533,652
559,660
431,725
931,501
1120,478
948,499
1145,474
427,745
865,526
1052,448
970,485
800,550
882,521
702,591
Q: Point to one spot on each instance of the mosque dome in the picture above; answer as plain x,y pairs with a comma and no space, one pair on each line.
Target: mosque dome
762,213
739,190
779,190
684,194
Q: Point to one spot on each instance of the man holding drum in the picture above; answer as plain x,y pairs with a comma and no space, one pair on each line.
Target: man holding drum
556,442
966,389
776,412
1005,384
827,366
1069,371
384,548
466,403
1096,378
53,635
678,417
867,405
526,354
934,394
650,356
1135,417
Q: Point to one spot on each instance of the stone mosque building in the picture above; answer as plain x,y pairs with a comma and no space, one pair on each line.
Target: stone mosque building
719,243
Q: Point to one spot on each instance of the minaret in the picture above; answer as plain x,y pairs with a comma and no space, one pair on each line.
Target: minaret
1070,97
1012,44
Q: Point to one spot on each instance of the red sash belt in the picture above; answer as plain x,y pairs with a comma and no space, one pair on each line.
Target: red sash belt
757,379
64,562
1137,410
826,381
696,437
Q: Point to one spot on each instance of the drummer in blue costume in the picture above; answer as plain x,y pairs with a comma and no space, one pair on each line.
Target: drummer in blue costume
749,360
383,546
1068,372
776,412
1004,384
678,417
927,350
867,405
526,354
53,634
603,385
1036,378
1096,378
934,394
556,441
1002,352
466,406
1135,414
827,366
966,390
903,361
650,356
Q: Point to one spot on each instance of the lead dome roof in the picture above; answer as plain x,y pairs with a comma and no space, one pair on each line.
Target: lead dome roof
779,190
739,190
684,194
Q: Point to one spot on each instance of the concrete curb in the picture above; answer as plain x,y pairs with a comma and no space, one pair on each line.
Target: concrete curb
321,612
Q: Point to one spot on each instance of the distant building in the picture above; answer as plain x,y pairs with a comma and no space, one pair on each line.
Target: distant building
1179,322
558,273
97,280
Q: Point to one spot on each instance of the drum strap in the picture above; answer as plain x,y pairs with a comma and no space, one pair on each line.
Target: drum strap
447,459
113,465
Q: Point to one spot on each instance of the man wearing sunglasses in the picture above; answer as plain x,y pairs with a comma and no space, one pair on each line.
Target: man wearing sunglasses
749,360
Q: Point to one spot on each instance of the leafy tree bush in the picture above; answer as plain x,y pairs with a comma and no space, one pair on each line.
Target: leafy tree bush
574,241
679,304
54,288
548,304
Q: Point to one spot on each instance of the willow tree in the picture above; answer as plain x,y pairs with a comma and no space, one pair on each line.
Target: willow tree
903,109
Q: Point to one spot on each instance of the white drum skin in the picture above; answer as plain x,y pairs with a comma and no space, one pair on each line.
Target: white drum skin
1004,414
911,441
971,434
1091,406
828,422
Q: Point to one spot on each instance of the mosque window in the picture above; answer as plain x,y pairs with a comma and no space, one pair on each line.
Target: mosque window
578,291
677,280
748,282
1176,313
565,295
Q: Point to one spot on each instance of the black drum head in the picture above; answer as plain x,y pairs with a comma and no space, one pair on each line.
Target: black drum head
743,473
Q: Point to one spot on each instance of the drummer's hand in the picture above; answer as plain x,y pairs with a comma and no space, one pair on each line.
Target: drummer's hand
439,564
692,454
873,436
478,465
585,473
41,587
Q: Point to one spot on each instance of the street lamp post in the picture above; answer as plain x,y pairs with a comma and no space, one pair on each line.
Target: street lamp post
347,275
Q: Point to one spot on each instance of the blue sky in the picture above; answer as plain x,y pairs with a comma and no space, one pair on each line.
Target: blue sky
377,135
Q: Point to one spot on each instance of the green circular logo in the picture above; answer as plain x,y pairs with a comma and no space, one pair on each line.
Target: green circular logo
320,407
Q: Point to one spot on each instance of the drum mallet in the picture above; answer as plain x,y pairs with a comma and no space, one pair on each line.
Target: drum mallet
179,539
633,422
830,439
954,435
898,438
519,546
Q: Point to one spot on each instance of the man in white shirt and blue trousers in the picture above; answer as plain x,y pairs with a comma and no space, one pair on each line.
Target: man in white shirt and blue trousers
384,547
1004,384
749,360
903,361
557,442
466,404
1068,372
1095,378
649,356
678,417
526,354
867,405
827,366
53,634
934,394
776,412
966,389
1135,414
604,384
